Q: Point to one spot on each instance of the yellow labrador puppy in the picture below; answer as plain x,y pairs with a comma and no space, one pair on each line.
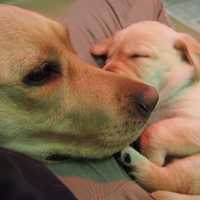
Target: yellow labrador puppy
155,54
52,103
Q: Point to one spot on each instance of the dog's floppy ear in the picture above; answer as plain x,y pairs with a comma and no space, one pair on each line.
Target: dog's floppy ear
191,49
63,33
101,48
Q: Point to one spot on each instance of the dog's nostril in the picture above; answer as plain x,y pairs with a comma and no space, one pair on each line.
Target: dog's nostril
146,101
142,108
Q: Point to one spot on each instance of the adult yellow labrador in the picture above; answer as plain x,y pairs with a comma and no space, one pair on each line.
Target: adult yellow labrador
52,103
155,54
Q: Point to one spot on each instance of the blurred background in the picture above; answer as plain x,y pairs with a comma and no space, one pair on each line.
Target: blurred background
185,14
48,7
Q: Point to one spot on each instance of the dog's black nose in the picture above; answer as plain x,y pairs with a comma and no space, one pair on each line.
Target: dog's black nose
146,100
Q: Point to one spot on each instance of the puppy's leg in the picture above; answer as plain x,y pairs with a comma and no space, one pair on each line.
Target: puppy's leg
174,136
164,195
151,176
182,175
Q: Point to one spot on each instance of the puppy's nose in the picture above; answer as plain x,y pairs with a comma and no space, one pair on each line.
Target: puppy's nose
146,100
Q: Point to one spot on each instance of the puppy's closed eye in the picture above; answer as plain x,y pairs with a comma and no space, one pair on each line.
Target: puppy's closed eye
41,75
139,55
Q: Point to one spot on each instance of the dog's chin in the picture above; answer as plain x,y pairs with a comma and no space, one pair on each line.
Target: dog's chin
101,149
98,144
92,149
88,144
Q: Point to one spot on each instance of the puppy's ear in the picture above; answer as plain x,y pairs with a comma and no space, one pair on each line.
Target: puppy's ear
101,48
191,50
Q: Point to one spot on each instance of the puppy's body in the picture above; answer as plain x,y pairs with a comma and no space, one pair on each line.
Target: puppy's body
170,61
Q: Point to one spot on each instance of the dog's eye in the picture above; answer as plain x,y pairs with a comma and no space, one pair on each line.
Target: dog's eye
44,73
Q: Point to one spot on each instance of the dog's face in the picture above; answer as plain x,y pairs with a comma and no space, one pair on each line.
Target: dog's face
153,53
51,103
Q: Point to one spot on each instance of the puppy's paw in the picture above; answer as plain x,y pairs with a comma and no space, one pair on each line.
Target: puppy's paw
143,170
161,195
165,195
138,164
131,158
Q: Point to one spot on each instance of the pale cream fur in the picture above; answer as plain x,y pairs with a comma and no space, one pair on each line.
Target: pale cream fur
154,53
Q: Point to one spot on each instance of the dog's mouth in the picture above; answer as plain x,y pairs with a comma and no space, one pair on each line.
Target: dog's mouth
90,143
109,145
56,157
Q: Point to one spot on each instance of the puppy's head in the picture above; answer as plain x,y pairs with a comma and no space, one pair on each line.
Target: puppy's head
153,53
51,103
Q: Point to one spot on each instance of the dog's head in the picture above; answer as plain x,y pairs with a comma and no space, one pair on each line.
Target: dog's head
52,103
153,53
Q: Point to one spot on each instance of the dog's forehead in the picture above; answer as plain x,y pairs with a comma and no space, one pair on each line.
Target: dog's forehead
18,23
26,39
23,26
